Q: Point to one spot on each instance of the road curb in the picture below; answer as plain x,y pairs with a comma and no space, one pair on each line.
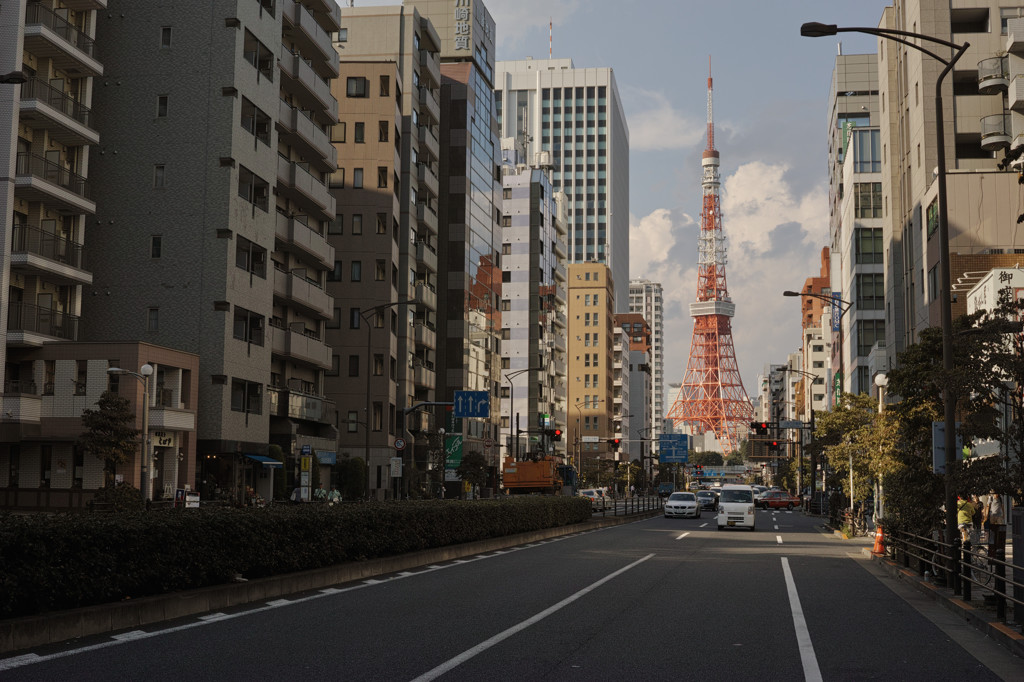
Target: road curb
17,634
979,618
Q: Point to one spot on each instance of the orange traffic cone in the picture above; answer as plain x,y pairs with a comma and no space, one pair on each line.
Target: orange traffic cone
879,544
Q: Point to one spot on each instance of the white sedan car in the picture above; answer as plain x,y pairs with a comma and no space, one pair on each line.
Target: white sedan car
682,504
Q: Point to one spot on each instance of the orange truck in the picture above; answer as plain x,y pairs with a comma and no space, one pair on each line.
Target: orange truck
532,476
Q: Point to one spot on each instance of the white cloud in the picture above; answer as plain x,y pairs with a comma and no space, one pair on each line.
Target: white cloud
775,233
515,21
655,125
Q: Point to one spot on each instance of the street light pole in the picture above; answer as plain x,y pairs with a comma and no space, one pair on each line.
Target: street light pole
512,405
814,29
142,376
366,315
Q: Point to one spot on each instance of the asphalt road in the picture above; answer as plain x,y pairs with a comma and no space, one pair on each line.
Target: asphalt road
655,599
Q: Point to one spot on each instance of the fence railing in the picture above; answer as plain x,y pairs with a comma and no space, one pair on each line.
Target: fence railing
46,244
33,318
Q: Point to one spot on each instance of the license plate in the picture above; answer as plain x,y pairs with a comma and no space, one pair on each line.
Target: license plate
732,523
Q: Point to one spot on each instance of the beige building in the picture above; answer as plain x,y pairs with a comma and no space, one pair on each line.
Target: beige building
591,347
385,234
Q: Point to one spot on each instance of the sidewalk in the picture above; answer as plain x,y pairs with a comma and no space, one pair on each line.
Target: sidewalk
976,612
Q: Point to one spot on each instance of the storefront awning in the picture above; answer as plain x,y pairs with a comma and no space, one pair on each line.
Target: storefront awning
265,461
327,457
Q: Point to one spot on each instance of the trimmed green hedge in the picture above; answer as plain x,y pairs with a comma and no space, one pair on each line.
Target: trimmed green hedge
66,561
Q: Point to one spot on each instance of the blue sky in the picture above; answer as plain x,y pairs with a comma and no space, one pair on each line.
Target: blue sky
770,104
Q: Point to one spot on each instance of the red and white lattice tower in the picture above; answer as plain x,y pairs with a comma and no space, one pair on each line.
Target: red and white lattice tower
712,397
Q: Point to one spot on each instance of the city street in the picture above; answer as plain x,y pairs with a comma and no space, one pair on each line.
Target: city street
657,598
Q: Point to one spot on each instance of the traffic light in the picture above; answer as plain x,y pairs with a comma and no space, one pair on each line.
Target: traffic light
556,434
614,442
698,470
773,445
761,428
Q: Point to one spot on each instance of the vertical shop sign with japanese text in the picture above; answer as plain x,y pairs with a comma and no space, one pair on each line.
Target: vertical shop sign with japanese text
462,24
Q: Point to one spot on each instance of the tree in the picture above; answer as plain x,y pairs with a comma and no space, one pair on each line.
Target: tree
109,434
736,458
707,459
473,468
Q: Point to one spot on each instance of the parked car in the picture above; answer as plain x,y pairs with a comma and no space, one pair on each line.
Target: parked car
682,504
777,499
708,500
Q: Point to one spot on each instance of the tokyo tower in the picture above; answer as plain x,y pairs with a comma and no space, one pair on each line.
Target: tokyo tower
712,397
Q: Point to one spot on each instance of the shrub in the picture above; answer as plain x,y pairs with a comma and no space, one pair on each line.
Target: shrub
121,497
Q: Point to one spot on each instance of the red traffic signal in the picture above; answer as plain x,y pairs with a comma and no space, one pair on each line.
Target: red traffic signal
556,434
615,443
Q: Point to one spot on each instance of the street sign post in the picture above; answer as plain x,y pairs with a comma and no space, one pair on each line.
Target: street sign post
472,404
674,448
399,444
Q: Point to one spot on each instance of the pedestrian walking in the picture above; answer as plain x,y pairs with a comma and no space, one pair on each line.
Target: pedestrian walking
964,517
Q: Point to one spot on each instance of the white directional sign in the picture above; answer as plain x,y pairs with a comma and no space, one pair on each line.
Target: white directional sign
590,439
791,424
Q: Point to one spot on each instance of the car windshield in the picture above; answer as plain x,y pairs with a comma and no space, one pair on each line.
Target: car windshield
681,496
736,496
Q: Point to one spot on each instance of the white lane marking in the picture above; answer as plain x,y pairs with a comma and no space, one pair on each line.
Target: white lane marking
812,673
501,636
682,536
211,617
779,539
128,636
330,590
703,524
776,526
279,602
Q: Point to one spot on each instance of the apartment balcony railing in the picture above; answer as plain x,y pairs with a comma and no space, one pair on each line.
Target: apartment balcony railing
306,84
428,179
26,317
49,33
67,120
310,36
39,179
993,75
427,255
425,295
995,132
299,405
29,239
296,127
298,183
298,238
26,387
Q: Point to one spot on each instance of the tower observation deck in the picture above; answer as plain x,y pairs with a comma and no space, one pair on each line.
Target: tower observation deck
712,397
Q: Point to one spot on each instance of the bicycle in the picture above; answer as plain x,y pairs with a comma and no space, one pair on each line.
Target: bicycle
977,561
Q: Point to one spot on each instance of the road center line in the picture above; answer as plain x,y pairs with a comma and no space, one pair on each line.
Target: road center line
778,537
812,673
682,536
501,636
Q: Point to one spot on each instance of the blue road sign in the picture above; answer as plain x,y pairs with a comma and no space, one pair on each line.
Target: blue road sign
472,404
674,447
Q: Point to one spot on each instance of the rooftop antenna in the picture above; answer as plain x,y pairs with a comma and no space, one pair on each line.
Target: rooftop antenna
551,30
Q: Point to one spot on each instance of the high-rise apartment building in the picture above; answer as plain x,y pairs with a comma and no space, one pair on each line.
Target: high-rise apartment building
645,299
385,235
574,118
856,223
533,307
636,432
591,354
213,214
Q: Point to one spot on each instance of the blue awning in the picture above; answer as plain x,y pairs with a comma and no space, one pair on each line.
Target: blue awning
265,461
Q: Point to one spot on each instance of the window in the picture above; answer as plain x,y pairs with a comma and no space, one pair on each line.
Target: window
353,365
870,291
161,106
378,416
867,200
155,246
353,318
586,299
866,151
248,326
506,193
868,245
338,131
353,421
357,223
337,226
359,136
251,257
378,364
868,332
385,86
152,319
255,121
159,176
342,35
338,179
253,188
259,55
246,396
357,178
356,270
380,270
382,176
382,131
357,86
165,36
382,223
933,217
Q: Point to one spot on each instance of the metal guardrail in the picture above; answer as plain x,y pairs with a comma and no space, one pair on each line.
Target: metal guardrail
961,568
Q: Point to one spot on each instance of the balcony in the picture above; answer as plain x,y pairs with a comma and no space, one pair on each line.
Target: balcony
329,12
85,4
425,295
295,128
560,248
427,216
424,336
47,255
31,326
430,66
293,288
49,34
297,238
311,38
67,121
297,183
426,255
300,345
21,402
38,179
169,413
993,75
429,104
995,132
559,367
428,141
298,405
305,84
427,179
558,342
423,377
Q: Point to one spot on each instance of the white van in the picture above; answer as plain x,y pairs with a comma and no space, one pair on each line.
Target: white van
736,507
